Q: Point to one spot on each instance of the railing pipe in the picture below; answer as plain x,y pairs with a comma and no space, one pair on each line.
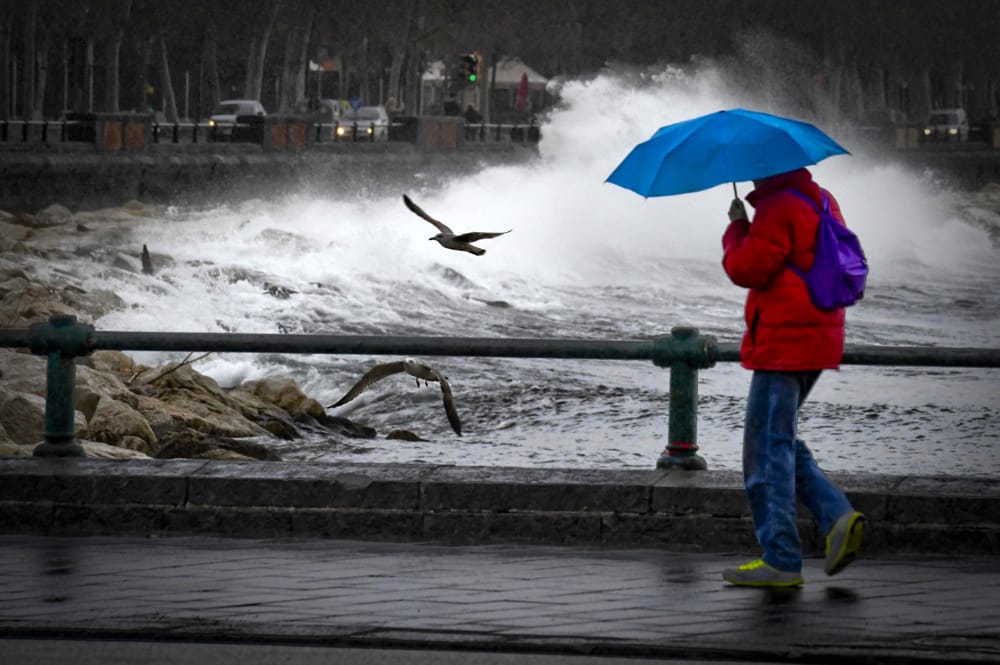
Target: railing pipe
914,356
62,339
684,351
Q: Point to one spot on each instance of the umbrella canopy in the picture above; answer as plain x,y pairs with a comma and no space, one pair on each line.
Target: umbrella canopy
727,146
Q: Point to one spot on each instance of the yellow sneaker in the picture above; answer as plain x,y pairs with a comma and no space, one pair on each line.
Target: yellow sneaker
844,541
759,574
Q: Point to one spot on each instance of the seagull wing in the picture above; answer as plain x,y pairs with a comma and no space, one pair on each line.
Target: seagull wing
441,226
371,376
473,236
449,405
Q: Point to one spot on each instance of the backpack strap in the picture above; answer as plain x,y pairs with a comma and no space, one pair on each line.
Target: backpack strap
808,199
819,211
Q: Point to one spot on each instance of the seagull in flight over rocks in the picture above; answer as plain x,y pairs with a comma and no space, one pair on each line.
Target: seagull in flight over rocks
447,238
414,368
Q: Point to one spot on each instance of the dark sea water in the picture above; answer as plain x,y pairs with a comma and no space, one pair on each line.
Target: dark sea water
584,259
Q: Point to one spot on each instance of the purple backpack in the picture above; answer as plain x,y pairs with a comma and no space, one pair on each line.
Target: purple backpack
837,277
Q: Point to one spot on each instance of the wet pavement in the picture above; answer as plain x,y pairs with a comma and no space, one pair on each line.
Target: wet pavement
524,599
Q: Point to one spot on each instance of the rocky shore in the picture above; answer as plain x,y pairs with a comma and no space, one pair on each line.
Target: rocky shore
125,409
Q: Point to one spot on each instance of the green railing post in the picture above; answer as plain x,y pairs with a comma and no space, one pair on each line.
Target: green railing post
62,339
684,352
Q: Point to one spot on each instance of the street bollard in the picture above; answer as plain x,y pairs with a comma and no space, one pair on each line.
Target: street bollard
684,352
62,339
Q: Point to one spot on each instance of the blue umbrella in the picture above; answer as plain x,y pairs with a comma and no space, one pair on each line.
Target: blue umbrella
727,146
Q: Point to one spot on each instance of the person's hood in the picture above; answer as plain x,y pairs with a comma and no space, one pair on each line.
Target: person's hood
799,179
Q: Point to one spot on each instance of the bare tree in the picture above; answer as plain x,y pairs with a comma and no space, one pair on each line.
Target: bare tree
166,82
258,50
293,70
6,109
113,16
30,53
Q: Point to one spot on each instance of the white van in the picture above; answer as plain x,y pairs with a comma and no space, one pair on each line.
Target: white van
947,125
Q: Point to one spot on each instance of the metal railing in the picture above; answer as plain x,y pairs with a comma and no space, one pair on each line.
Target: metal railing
684,351
81,130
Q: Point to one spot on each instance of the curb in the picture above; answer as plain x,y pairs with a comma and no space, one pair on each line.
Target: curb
683,510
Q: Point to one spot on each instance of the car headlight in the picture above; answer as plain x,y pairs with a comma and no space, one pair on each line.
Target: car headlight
341,130
370,130
952,131
211,123
928,131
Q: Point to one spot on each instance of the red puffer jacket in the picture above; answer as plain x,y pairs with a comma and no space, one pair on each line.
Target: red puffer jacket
785,331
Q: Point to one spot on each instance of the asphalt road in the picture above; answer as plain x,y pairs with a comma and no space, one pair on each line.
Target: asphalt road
103,652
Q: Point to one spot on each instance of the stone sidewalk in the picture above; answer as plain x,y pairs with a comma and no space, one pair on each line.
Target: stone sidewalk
515,598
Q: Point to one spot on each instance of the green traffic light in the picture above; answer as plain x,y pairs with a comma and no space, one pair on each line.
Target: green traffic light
472,78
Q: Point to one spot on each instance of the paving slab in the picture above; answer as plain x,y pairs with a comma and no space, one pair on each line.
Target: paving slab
645,602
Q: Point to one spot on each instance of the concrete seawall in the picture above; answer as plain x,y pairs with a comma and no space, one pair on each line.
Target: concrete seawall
76,176
698,511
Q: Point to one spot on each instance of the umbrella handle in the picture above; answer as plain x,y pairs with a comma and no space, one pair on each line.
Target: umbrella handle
734,191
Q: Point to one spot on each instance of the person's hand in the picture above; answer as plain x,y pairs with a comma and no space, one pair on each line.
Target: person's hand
737,211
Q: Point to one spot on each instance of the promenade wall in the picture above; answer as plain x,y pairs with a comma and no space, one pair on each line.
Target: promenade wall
683,510
119,157
117,160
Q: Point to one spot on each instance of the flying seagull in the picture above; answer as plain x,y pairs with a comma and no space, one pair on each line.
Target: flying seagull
414,368
447,238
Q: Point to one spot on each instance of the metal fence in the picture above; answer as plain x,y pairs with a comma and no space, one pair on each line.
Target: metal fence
684,352
80,128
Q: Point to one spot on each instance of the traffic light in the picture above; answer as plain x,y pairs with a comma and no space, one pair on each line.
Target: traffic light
471,63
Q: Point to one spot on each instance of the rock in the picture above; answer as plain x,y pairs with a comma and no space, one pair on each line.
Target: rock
105,451
54,215
404,435
23,417
10,449
127,263
22,219
341,425
118,424
195,445
221,454
284,393
14,232
116,362
184,399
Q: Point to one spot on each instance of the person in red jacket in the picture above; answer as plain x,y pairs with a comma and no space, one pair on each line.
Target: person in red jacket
787,343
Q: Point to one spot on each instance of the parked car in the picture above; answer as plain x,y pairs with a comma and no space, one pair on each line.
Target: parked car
324,112
367,123
223,118
319,110
947,125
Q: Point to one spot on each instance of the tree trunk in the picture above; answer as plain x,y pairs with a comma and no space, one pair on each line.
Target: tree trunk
89,77
169,100
114,46
363,79
248,81
42,67
212,67
142,93
5,107
258,54
293,86
28,80
404,51
302,72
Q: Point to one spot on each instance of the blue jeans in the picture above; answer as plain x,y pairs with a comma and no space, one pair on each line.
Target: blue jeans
778,468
